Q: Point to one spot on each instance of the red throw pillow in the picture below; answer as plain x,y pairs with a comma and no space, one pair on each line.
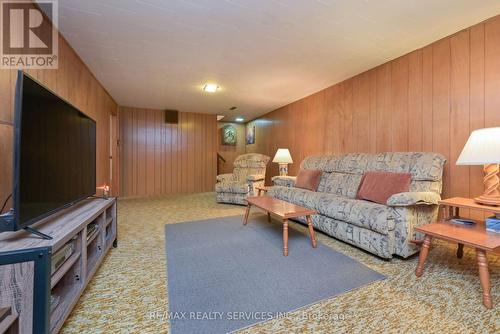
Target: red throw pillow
379,186
308,179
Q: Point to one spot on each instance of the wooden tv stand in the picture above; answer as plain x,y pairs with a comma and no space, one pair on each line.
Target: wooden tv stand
69,281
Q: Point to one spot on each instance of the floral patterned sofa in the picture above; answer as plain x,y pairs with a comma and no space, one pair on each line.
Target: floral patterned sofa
249,171
383,230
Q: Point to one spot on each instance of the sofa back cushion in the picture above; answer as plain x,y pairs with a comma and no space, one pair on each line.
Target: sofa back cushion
342,184
426,169
241,174
379,186
308,179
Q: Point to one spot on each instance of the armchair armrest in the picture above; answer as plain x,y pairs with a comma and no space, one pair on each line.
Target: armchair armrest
284,181
225,177
255,177
414,198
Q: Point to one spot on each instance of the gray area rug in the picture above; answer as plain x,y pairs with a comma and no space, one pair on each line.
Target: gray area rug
223,276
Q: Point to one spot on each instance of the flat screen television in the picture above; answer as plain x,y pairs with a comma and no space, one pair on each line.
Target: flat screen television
54,153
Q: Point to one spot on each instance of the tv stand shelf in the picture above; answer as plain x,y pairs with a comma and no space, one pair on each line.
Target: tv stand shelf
70,279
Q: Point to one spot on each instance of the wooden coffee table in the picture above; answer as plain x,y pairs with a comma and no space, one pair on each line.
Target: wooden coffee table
284,211
474,236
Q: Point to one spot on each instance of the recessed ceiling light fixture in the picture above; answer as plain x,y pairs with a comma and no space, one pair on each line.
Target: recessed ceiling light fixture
239,119
210,87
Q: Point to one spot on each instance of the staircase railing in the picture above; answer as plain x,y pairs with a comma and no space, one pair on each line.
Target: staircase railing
219,159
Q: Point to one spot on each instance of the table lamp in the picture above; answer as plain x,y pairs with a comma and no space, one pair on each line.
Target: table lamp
283,158
483,148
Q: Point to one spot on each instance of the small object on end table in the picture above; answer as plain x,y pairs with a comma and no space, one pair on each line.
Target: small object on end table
462,221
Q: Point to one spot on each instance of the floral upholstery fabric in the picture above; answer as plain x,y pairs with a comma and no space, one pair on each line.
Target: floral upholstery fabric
225,177
249,172
414,198
422,166
342,184
299,196
406,219
365,214
285,181
231,187
381,229
376,243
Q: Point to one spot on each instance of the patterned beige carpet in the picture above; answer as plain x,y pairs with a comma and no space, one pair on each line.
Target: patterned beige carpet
128,293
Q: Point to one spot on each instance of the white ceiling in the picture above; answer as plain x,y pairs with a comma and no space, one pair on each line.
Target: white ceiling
263,53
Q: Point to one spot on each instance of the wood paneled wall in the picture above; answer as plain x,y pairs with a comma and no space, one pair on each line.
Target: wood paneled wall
72,81
230,152
428,100
160,158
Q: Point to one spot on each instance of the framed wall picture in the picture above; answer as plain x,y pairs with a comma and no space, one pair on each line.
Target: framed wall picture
251,134
229,135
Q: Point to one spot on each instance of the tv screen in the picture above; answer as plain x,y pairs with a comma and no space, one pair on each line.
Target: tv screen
54,153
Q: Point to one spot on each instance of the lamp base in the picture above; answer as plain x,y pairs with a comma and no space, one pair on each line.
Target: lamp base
488,200
491,181
283,169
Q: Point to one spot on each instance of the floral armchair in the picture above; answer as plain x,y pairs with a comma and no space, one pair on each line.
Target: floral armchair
249,172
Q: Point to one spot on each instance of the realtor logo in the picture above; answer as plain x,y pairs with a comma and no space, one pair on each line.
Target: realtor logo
29,34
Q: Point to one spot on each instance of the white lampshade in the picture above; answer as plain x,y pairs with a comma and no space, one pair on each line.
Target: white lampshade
482,147
283,156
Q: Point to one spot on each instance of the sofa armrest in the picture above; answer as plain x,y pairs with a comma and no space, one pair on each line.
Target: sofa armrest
284,181
414,198
255,177
225,177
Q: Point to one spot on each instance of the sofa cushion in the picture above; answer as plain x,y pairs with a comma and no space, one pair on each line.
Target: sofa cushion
342,184
422,166
231,187
308,179
285,181
361,213
379,186
298,196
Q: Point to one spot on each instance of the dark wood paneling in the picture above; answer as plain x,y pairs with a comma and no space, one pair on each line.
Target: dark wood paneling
428,100
161,158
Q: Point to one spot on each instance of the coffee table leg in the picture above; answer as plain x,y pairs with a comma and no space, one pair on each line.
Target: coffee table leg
460,251
311,231
484,277
269,217
423,255
285,237
246,214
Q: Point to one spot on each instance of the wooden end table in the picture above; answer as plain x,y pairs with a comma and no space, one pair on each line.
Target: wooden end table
470,235
283,210
262,189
